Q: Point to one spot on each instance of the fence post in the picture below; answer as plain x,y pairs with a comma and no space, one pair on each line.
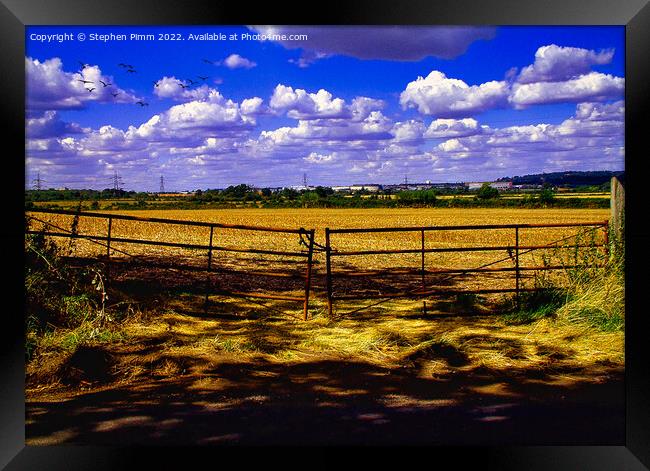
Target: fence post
108,238
517,264
210,248
424,302
328,263
606,238
207,276
617,218
108,249
308,276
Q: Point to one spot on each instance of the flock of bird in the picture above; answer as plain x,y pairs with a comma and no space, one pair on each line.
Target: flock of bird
130,69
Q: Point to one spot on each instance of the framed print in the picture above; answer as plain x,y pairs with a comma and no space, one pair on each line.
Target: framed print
413,225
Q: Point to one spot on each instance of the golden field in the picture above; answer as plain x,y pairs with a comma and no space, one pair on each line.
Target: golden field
319,219
217,355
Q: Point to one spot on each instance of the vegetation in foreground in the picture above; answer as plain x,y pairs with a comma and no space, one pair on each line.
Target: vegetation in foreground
77,336
593,296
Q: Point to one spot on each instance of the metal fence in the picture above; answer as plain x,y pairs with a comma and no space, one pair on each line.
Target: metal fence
421,289
108,240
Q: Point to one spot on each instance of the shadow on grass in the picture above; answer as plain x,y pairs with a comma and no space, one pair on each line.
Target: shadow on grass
215,397
334,402
212,399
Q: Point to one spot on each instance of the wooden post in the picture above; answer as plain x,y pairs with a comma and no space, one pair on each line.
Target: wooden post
606,238
308,275
328,264
517,264
617,207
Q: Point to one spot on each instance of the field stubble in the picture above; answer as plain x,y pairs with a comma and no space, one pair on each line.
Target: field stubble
319,219
173,341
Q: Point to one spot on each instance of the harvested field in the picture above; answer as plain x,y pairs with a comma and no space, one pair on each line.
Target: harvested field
403,266
247,372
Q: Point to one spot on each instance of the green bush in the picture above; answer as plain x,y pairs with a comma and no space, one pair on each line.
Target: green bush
59,298
591,291
486,192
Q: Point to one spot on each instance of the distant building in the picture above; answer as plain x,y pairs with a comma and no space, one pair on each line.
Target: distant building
448,186
372,188
527,187
501,186
302,188
474,185
392,188
341,189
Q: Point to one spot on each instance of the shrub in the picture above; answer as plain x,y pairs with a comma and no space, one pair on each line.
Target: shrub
60,299
592,291
486,192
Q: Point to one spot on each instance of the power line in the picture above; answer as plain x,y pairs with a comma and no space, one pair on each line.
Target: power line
162,184
38,182
117,181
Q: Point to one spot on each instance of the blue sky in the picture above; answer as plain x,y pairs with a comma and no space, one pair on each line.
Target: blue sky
342,104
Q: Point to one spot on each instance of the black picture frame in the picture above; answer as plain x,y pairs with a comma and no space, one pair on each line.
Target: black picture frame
634,14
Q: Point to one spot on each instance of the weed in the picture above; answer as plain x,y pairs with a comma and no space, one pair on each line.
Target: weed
592,291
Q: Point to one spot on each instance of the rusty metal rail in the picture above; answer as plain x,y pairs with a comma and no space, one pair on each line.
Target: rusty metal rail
210,247
169,221
422,288
422,291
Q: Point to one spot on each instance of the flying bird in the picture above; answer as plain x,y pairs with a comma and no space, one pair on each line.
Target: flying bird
192,82
183,85
133,71
105,84
90,89
208,61
155,84
202,78
114,94
142,103
85,81
83,66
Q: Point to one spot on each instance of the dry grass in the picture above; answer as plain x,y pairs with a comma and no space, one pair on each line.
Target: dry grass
389,336
181,341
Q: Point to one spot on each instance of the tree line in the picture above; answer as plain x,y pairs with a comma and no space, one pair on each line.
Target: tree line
320,197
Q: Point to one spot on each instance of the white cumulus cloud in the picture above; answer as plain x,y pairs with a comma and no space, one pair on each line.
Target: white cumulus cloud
444,97
555,63
588,87
448,128
235,61
49,87
300,104
170,87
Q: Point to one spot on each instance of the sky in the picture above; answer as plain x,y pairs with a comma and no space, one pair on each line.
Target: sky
270,106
